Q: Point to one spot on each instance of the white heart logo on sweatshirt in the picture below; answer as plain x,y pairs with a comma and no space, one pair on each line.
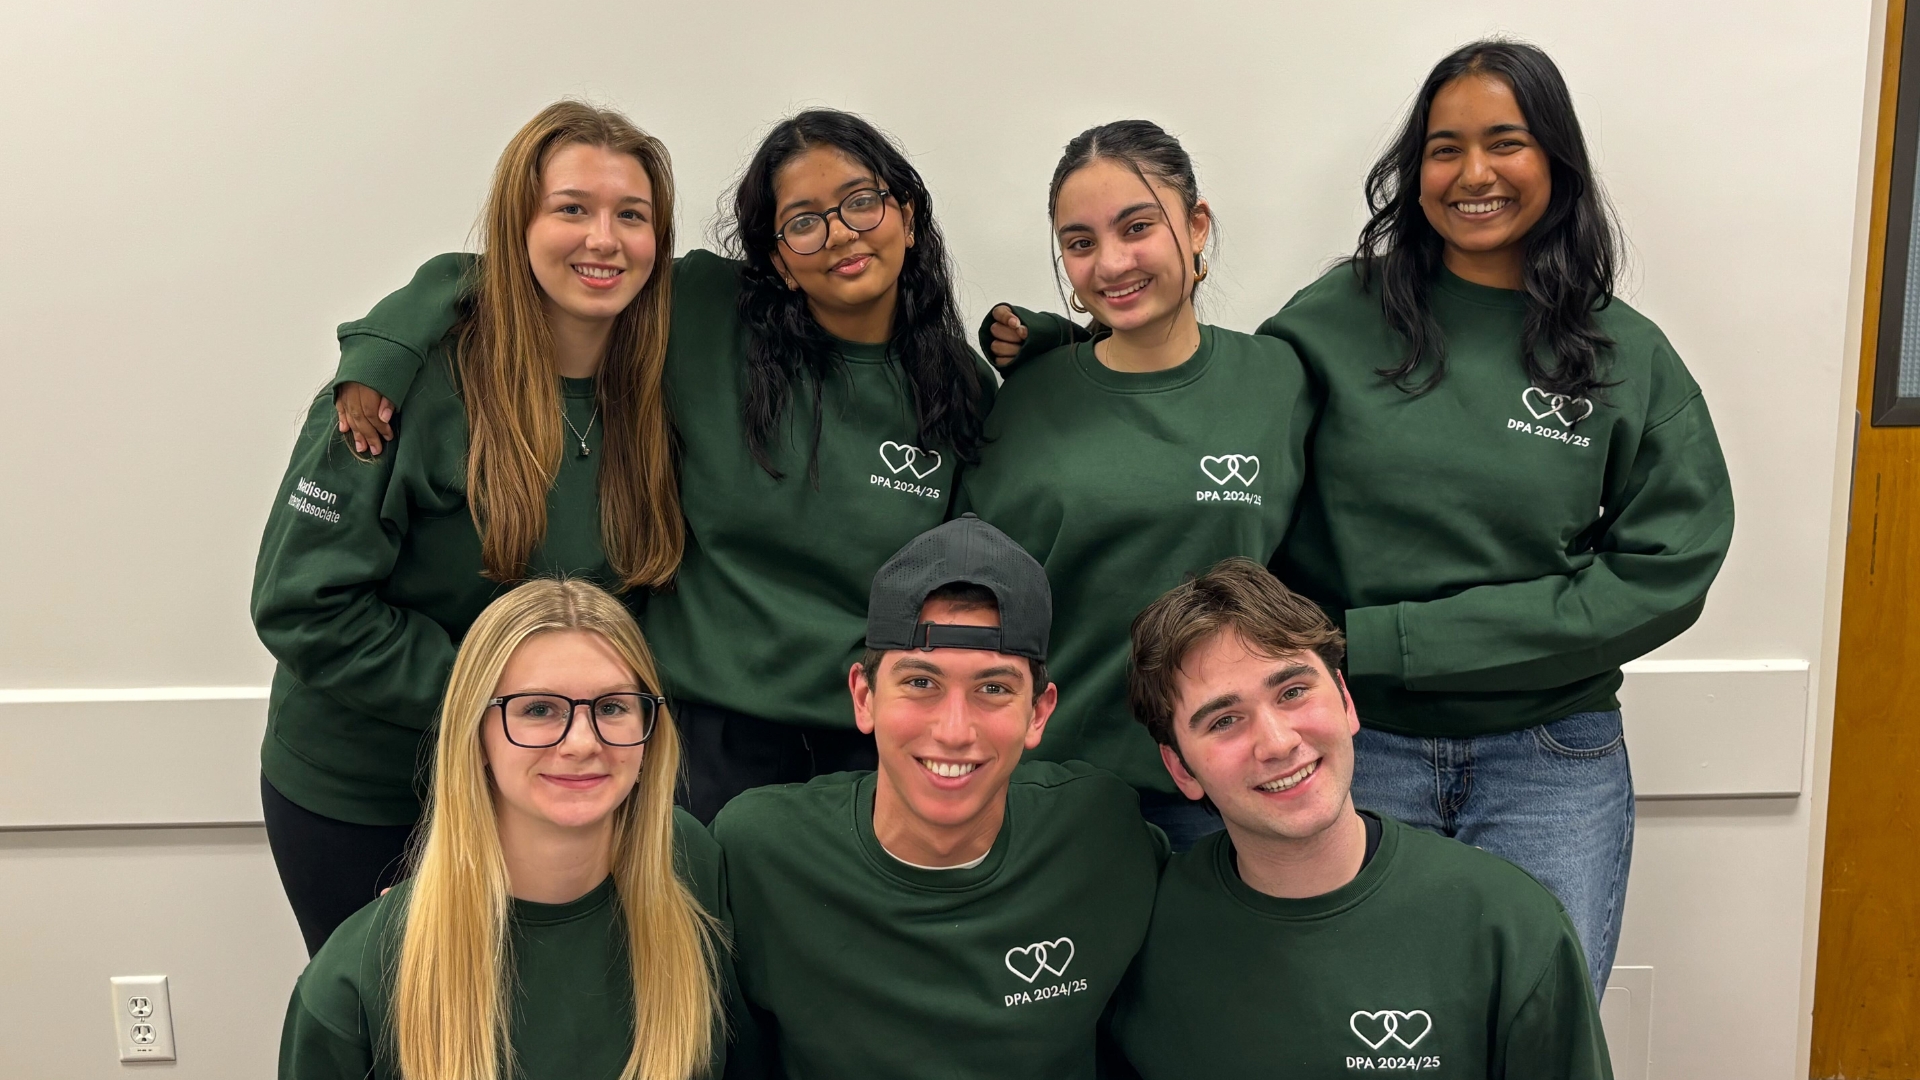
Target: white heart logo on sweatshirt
1242,467
900,457
1559,406
1375,1028
1028,961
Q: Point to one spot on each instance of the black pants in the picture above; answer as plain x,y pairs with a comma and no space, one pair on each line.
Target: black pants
725,753
330,869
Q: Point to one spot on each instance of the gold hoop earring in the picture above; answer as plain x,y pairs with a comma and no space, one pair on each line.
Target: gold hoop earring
1073,301
1200,268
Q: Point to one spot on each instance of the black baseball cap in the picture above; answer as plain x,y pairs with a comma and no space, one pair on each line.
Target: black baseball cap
968,551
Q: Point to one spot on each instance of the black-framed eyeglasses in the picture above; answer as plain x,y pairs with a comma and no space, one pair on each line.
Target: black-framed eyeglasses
861,211
537,721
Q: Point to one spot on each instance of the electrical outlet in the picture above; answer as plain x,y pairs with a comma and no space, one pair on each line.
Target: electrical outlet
142,1018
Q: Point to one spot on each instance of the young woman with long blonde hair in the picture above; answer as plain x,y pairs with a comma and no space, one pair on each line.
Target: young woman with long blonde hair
539,446
556,926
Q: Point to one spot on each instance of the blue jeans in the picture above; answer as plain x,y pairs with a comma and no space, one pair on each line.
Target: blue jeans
1555,800
1185,822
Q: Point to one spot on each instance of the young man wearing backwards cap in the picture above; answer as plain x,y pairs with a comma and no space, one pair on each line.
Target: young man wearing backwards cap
1309,940
955,913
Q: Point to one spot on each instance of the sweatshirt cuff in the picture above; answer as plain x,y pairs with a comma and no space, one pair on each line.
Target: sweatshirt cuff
382,363
1375,649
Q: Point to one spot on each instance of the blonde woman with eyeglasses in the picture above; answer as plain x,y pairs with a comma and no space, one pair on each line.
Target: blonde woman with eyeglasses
557,926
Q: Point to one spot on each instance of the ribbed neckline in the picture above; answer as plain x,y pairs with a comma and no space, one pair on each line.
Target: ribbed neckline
1144,382
577,388
530,913
954,879
1341,899
862,352
1485,295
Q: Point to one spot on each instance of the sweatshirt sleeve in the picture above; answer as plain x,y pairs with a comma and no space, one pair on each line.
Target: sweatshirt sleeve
1045,333
753,1051
385,349
312,1049
1556,1031
1666,532
332,539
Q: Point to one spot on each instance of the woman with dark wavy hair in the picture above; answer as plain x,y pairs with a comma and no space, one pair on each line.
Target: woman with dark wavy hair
823,397
1516,487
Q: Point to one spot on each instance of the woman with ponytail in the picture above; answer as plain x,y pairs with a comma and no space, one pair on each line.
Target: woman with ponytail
1132,461
824,397
538,445
556,926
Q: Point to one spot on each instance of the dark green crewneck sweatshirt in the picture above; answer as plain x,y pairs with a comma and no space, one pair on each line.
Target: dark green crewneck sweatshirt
1496,552
1437,960
572,994
769,610
1123,484
857,966
369,575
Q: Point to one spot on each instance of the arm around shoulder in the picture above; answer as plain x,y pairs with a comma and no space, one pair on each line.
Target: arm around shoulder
386,348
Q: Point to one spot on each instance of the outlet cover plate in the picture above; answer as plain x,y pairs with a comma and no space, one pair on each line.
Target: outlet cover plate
142,1018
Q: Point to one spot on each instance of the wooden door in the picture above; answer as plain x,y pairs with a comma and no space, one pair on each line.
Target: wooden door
1866,1014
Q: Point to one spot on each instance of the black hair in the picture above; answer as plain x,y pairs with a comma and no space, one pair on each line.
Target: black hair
1570,252
789,349
966,596
1147,149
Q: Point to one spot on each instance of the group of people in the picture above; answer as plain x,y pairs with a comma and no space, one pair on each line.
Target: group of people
1123,717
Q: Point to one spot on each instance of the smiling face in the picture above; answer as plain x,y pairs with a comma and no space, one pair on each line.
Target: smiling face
578,783
950,725
1129,263
591,241
1484,180
853,279
1268,739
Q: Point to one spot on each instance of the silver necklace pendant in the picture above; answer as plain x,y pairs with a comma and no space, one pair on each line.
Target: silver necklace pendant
577,433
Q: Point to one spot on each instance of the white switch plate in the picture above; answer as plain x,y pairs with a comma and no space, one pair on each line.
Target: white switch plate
142,1018
1626,1012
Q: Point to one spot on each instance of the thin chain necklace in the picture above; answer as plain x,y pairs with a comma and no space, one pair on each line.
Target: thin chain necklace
577,433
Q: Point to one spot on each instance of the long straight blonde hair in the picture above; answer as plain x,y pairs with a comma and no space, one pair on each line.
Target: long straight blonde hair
453,984
509,378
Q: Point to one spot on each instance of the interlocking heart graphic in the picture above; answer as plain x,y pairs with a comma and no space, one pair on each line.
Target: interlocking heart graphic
1242,467
1375,1028
1559,406
900,457
1030,960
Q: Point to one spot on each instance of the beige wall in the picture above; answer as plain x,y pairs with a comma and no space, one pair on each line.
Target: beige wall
196,193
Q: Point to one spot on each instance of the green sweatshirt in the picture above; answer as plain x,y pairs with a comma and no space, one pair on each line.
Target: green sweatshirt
859,966
1437,960
1495,552
572,994
1123,484
369,575
770,606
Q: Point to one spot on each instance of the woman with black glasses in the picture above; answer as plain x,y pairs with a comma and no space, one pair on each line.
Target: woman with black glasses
824,396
